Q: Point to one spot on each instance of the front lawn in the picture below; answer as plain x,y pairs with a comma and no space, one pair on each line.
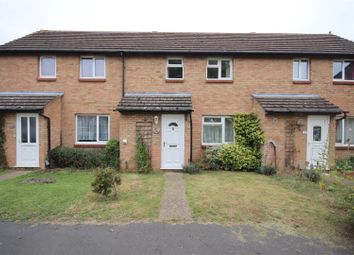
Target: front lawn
70,198
287,202
3,171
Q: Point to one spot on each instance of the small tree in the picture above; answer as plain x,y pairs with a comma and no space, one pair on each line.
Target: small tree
105,181
112,154
142,157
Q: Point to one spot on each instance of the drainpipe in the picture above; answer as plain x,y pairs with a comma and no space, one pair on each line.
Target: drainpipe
191,138
48,138
123,73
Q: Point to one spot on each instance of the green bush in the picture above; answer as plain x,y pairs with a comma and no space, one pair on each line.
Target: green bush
346,164
267,170
211,159
235,157
192,168
313,176
81,158
105,181
142,157
112,154
3,161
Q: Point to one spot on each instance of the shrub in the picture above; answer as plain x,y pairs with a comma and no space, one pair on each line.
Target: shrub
81,158
345,164
192,168
3,162
210,159
142,157
112,154
106,180
313,176
248,131
267,170
236,157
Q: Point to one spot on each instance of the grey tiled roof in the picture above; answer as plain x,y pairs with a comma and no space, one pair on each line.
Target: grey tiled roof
26,101
296,103
156,102
83,41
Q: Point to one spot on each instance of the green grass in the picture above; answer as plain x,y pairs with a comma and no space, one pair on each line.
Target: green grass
294,205
3,171
70,198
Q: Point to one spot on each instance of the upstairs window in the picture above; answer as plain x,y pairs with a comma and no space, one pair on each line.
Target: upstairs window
343,70
301,70
92,129
219,69
92,67
47,67
345,131
175,69
217,130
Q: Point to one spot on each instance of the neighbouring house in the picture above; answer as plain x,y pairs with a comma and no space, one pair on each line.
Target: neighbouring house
179,92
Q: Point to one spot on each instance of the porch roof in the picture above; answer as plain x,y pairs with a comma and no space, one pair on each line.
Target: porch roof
26,101
156,102
296,103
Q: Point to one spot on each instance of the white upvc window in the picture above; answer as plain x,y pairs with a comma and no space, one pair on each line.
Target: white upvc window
92,129
345,132
47,67
219,69
343,70
217,130
301,70
175,69
92,67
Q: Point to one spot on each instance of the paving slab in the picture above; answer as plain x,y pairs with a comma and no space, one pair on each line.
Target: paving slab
175,205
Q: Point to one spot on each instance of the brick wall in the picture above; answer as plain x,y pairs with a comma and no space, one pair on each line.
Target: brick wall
147,74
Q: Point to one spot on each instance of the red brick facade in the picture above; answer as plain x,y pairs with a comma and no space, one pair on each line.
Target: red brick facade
147,73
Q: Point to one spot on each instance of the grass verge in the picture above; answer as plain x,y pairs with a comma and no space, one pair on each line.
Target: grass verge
293,205
70,198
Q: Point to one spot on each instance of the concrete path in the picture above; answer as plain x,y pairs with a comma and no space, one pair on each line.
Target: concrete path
174,202
13,174
156,238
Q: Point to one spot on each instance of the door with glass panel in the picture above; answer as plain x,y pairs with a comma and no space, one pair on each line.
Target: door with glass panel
27,149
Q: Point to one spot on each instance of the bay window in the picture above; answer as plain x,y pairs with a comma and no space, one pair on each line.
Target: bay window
217,130
92,128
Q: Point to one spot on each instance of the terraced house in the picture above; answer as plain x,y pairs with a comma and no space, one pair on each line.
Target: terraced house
179,91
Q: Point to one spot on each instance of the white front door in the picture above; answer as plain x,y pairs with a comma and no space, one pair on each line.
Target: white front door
172,141
27,149
317,139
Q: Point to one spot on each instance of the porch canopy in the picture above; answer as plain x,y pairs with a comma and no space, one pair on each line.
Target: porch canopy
26,101
296,103
156,102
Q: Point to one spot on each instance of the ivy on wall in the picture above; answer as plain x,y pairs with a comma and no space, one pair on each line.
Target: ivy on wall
3,161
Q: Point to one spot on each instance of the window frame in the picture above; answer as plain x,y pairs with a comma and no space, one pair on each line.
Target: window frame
97,128
341,144
93,67
40,67
174,65
342,61
219,66
299,68
223,117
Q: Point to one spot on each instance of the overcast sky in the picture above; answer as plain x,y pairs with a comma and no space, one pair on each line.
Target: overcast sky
18,18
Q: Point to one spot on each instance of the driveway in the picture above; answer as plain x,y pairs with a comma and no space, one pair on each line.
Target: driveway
154,238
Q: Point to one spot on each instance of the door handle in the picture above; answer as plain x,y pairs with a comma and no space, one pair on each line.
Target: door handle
164,144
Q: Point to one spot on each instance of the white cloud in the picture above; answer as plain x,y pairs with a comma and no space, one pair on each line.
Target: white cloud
18,18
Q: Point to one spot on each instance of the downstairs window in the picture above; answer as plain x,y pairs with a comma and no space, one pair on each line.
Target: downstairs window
92,129
217,130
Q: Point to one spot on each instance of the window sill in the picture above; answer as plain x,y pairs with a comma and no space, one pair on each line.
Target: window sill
301,82
345,147
92,79
46,79
89,145
219,81
174,80
343,82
